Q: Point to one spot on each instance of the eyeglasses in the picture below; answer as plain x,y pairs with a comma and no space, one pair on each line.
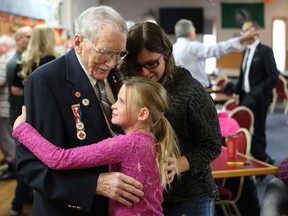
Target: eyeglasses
149,65
107,54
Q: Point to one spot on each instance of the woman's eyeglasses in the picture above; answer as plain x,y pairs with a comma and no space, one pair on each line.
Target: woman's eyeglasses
107,54
149,65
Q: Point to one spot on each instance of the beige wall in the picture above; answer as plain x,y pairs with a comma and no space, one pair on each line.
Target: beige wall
135,9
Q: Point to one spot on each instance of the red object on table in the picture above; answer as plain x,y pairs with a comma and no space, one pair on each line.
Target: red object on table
232,147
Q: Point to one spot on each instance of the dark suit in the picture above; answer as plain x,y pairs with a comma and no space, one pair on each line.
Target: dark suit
49,94
263,77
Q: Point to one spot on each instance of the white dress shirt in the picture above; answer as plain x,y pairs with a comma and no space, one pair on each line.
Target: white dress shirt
193,54
252,47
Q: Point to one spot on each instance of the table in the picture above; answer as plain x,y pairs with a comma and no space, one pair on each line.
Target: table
213,88
220,97
221,170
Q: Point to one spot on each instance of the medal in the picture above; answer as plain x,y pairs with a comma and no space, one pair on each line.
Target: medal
80,127
85,102
81,135
77,94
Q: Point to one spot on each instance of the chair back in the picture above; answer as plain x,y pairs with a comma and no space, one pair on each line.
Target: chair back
230,104
280,93
282,88
244,141
244,116
221,80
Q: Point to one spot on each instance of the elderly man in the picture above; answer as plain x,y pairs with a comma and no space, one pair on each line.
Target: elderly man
63,104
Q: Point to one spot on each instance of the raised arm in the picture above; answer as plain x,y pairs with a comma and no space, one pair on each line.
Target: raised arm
108,151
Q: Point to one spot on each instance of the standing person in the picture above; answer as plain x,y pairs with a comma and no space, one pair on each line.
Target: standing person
192,115
40,50
258,77
148,140
22,37
63,106
192,54
7,144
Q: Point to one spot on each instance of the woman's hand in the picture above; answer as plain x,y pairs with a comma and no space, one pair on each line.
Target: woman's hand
170,169
21,118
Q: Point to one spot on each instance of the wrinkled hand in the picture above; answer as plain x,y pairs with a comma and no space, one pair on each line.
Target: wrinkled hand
21,118
171,168
119,187
236,98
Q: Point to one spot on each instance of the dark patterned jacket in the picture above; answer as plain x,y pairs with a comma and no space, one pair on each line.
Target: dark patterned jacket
194,118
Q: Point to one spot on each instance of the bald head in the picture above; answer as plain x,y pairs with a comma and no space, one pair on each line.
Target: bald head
22,37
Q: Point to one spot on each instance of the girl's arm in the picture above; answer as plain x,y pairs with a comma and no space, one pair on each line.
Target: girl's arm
109,151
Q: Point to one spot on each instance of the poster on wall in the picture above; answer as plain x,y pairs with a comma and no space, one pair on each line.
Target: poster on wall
234,14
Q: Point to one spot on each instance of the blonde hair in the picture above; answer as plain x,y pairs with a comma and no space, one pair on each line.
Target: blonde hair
142,92
42,43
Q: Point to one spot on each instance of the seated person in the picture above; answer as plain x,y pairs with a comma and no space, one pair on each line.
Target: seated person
275,200
141,153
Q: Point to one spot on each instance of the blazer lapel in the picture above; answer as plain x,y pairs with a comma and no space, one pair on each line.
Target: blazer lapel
83,93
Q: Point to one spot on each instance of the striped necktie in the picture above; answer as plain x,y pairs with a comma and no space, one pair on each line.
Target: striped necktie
106,105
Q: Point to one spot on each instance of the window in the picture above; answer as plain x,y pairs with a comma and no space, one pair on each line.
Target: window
210,65
279,42
209,38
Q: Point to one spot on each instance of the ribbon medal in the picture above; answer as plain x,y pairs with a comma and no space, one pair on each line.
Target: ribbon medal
80,127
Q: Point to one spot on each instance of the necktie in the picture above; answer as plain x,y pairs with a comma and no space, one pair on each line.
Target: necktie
246,59
106,105
246,85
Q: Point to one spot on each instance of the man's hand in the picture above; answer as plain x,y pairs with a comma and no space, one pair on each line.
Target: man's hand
249,35
236,98
21,118
119,187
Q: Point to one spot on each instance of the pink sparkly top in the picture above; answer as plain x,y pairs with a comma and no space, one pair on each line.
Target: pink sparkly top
132,154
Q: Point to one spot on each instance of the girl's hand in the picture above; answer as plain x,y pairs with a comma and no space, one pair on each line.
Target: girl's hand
21,118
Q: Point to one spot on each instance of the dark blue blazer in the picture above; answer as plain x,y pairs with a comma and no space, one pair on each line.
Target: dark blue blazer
263,74
49,94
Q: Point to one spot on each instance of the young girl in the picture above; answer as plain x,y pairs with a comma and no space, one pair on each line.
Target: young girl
140,153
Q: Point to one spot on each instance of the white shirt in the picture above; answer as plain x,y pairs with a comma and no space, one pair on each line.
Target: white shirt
4,90
193,54
252,47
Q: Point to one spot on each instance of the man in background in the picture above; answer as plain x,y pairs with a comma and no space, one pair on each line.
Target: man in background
192,54
7,143
258,77
22,37
23,193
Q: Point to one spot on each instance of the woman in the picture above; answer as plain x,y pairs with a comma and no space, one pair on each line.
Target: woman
40,50
140,153
193,116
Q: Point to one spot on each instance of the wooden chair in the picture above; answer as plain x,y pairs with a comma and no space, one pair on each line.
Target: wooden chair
228,200
244,116
221,81
280,93
230,104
